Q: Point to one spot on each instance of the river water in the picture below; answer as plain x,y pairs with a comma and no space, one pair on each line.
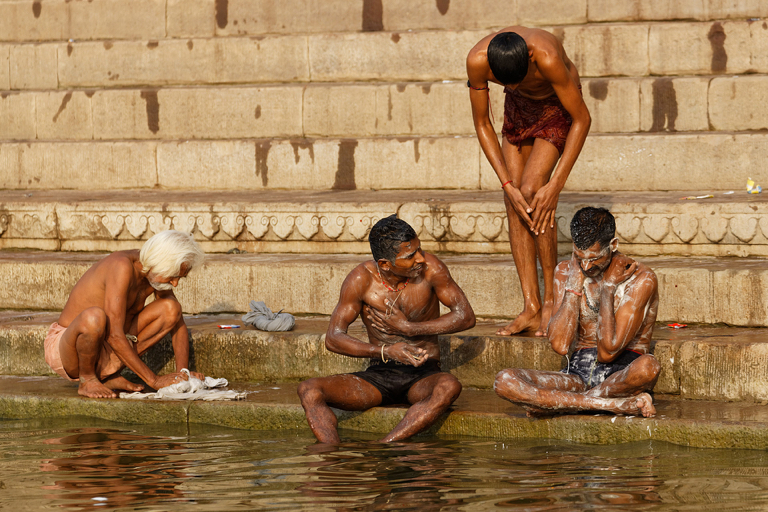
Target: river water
86,464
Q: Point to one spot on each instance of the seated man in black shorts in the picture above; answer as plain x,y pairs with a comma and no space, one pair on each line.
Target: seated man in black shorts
605,304
399,294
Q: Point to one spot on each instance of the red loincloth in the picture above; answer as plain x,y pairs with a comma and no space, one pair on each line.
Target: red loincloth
525,118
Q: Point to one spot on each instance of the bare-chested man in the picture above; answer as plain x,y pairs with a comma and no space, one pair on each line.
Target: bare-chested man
606,306
105,325
399,294
545,119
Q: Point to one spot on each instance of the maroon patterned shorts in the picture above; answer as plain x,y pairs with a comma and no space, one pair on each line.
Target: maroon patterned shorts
525,118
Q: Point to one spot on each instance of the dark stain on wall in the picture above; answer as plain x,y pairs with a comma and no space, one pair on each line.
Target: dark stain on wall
222,13
190,44
262,154
373,14
598,89
152,44
416,153
69,49
443,5
395,37
257,112
345,171
664,105
63,105
153,110
37,8
306,144
716,38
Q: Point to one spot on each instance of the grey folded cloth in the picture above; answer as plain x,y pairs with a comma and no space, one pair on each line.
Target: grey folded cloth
262,318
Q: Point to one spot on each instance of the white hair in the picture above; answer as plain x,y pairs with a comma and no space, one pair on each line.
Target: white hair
164,253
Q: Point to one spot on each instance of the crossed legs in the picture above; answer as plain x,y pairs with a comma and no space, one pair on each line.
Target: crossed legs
430,397
540,392
530,169
82,351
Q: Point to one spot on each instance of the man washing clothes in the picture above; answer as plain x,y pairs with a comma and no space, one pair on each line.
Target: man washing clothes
105,325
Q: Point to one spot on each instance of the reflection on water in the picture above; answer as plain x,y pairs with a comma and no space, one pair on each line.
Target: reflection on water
84,464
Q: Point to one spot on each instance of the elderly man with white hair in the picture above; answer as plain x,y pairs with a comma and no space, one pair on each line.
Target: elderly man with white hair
106,324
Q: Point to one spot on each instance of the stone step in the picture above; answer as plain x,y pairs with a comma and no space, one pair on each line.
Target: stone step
608,162
598,50
627,105
476,413
698,362
703,290
648,223
28,20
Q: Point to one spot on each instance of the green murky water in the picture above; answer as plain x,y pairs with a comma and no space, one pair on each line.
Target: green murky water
85,464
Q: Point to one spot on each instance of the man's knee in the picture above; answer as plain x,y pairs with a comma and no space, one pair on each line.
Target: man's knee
529,191
171,310
93,321
447,389
309,391
648,366
506,381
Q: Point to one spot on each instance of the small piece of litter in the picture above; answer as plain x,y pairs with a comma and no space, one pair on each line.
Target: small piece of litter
752,188
677,325
729,192
672,360
99,498
698,197
613,420
228,326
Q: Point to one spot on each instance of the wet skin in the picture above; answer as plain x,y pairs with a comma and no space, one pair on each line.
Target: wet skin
106,304
405,320
531,196
625,294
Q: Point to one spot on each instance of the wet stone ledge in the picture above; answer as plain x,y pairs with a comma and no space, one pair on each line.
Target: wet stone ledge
699,362
477,413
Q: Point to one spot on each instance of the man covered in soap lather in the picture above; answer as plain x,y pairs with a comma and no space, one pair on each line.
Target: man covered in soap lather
398,294
605,305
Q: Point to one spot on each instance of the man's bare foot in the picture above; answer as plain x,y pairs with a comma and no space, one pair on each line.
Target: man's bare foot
641,404
524,322
645,404
122,383
93,388
546,314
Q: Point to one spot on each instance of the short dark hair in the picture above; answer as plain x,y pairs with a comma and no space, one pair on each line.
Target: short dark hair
508,57
387,235
591,225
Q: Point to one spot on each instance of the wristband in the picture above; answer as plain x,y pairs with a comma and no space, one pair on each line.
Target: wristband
574,292
505,183
383,359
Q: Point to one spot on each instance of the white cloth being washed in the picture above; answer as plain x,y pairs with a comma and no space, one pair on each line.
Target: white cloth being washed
191,389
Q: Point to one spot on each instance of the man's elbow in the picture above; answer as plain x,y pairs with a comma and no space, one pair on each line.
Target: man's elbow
331,342
607,355
469,320
558,345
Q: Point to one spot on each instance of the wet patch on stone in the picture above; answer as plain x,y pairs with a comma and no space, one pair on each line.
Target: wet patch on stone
664,105
153,110
63,105
598,89
716,38
373,13
222,13
345,171
262,156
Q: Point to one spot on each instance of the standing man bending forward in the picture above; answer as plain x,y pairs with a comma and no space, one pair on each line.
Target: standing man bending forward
545,119
105,325
606,305
399,294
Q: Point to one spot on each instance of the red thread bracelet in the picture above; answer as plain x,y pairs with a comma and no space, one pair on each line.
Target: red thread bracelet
505,183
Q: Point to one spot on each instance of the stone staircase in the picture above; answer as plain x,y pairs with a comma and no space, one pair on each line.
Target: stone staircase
286,129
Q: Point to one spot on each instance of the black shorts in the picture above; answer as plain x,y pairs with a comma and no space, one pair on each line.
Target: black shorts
394,380
584,363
